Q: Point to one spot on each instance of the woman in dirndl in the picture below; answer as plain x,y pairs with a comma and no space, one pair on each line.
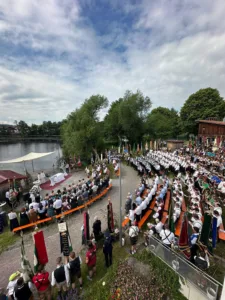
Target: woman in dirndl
13,220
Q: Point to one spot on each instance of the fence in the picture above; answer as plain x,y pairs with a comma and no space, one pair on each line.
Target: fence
204,284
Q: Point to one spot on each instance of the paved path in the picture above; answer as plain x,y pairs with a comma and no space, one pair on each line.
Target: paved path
10,260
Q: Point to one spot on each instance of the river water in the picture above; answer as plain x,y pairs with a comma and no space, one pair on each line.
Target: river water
11,151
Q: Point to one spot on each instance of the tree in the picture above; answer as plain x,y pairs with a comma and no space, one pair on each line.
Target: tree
163,123
23,128
203,104
82,133
127,116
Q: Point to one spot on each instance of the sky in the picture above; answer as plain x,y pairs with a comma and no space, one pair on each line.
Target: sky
54,54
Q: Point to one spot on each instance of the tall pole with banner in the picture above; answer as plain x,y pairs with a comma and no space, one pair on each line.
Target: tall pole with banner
120,206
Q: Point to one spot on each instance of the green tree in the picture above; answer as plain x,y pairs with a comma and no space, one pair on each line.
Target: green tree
23,128
82,133
127,116
203,104
163,123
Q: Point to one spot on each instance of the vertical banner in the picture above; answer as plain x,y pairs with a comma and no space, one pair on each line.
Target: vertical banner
40,252
110,216
151,145
214,232
184,239
86,227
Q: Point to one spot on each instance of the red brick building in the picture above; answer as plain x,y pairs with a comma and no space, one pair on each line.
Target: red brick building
211,131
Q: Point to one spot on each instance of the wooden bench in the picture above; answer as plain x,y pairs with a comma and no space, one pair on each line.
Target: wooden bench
180,220
221,232
147,214
166,208
126,220
118,173
66,212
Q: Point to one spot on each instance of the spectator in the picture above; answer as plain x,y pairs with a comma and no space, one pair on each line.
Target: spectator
42,283
24,220
61,278
107,249
91,260
133,234
22,290
74,265
13,220
97,228
12,283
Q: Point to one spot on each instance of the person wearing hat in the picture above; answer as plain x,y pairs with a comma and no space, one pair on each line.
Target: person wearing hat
12,283
107,249
22,290
97,228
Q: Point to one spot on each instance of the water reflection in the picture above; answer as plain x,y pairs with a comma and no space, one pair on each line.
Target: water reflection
11,151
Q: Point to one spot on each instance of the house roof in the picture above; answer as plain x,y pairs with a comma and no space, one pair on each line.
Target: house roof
6,175
212,122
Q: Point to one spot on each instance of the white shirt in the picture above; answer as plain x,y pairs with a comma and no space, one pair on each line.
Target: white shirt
35,205
159,227
131,215
167,237
138,210
7,194
133,231
143,205
11,286
12,215
66,273
57,204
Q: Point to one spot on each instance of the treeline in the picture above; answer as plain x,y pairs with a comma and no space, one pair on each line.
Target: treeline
21,128
130,120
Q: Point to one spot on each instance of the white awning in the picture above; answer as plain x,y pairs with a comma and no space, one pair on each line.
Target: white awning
29,156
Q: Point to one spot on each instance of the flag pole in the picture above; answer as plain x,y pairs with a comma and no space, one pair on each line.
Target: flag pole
120,206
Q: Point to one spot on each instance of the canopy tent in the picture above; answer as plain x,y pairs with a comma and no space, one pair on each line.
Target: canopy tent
6,175
29,156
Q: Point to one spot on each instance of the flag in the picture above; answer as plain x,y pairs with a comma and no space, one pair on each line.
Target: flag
151,144
138,149
25,264
36,263
40,252
214,232
171,222
110,216
86,227
204,239
146,146
184,238
134,149
141,146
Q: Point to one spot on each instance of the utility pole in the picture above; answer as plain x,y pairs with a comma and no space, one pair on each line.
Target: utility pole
120,206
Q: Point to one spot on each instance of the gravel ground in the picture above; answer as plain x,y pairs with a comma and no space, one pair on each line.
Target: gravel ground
10,260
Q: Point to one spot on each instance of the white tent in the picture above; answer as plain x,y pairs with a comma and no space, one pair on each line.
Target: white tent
28,157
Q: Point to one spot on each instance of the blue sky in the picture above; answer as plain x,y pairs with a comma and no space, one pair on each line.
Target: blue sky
56,53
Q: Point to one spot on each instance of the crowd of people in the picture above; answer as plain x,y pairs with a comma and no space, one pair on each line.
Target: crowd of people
65,277
197,183
57,202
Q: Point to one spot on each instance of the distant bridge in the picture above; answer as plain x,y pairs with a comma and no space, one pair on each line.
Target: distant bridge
17,139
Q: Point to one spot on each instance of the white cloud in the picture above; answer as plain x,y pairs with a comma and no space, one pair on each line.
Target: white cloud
51,60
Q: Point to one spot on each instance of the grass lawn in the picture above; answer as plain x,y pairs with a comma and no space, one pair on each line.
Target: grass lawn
7,238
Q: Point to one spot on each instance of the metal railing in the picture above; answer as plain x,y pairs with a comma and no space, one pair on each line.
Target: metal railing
206,285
